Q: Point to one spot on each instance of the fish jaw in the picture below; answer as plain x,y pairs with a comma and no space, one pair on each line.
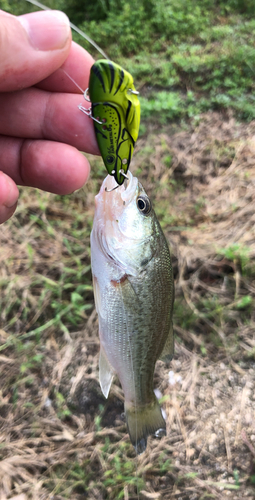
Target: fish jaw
110,206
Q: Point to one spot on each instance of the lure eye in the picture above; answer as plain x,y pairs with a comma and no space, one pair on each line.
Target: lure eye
143,204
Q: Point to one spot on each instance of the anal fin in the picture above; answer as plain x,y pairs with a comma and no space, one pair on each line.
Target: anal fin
106,373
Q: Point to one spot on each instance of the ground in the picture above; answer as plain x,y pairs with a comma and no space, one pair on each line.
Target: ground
59,437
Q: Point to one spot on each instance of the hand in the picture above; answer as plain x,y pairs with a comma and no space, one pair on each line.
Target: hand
40,123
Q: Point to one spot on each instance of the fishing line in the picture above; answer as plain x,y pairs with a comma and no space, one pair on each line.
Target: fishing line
75,28
75,83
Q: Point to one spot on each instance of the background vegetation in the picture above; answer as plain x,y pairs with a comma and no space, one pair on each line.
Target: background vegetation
201,52
193,62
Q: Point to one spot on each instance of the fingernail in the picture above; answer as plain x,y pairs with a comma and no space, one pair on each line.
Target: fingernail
12,192
46,30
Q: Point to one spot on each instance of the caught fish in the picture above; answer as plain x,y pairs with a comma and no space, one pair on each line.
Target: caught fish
134,293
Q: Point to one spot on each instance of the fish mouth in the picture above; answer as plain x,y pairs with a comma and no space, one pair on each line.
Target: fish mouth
111,202
124,192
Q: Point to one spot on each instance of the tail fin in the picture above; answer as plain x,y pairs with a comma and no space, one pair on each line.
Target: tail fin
144,421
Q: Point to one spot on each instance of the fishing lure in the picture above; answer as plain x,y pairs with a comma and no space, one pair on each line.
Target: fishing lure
115,109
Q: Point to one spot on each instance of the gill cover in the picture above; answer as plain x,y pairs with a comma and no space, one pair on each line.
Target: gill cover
116,106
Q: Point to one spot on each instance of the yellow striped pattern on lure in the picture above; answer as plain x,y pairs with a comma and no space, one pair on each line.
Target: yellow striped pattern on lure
115,109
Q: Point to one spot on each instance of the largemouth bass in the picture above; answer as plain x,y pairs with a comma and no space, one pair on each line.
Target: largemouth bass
134,293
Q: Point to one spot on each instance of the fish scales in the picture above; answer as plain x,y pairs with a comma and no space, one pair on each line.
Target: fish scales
133,287
127,331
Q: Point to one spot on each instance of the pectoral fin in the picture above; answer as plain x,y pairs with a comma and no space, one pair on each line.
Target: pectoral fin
97,297
106,373
168,349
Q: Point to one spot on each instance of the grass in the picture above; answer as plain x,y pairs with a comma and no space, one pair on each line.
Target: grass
60,438
186,57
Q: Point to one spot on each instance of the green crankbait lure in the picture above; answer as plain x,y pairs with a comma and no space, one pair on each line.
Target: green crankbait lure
115,109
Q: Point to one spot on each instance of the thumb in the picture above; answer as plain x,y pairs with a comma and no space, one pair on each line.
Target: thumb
32,47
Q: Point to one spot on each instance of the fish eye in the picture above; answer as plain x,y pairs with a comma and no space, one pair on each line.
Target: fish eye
143,204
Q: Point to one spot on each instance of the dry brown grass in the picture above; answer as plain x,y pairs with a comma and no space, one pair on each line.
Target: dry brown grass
59,438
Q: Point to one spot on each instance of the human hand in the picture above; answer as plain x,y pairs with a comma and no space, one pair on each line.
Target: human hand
40,123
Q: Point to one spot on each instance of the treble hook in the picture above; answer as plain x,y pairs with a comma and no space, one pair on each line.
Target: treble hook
88,111
86,96
115,187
